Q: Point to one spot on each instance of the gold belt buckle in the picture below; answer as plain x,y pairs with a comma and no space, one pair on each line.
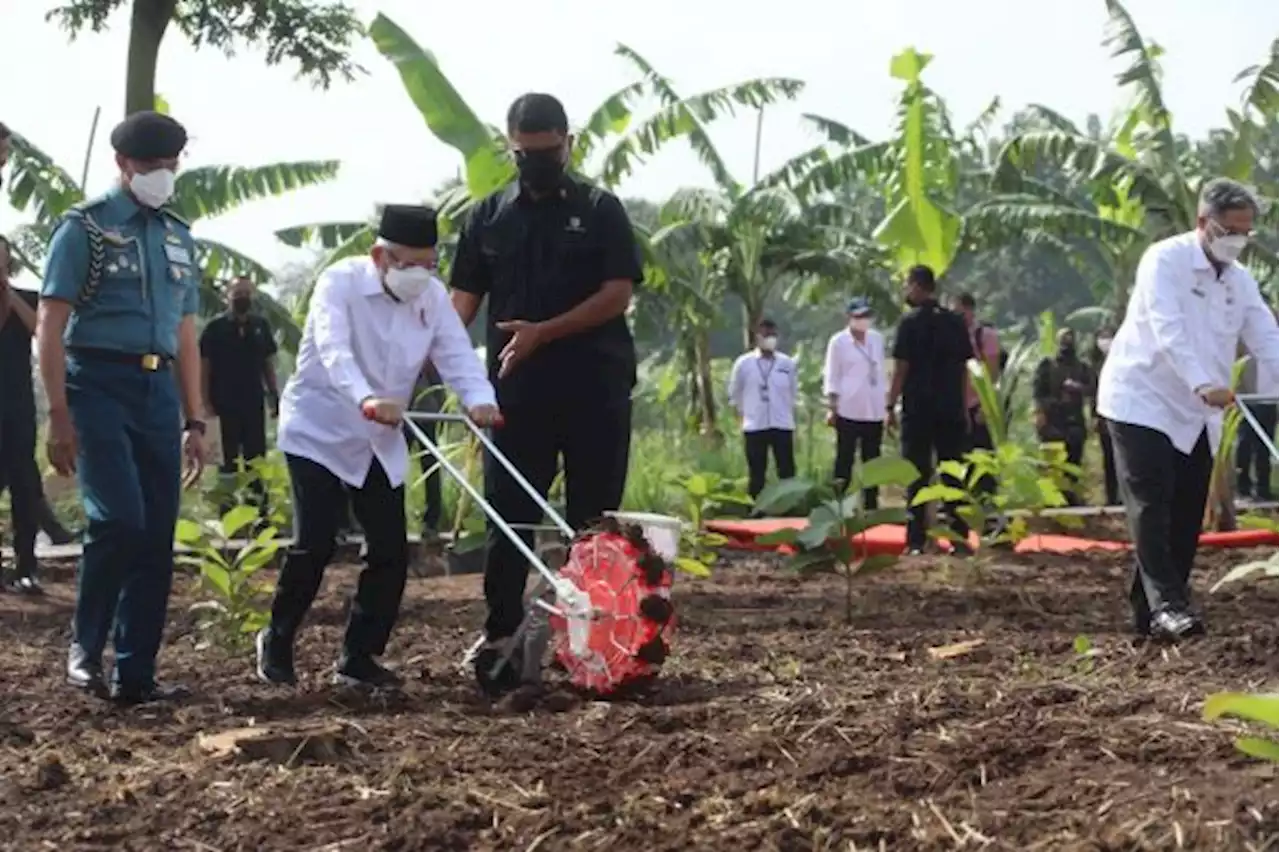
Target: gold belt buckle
151,363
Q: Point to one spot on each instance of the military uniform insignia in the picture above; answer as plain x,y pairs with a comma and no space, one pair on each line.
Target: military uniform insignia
171,237
112,268
176,271
114,237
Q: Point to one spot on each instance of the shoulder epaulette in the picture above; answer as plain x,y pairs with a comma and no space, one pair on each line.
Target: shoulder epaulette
175,217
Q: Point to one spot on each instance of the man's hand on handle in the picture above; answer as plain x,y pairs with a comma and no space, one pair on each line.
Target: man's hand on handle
1217,397
388,412
485,416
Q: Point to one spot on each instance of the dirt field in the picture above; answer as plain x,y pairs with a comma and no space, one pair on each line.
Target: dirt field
774,727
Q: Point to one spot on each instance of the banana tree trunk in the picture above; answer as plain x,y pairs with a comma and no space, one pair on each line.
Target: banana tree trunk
149,20
752,313
706,388
689,354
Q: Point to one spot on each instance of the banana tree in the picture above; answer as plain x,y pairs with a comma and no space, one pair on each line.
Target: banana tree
45,190
1129,187
608,147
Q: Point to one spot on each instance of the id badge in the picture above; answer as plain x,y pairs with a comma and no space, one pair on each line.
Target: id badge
177,254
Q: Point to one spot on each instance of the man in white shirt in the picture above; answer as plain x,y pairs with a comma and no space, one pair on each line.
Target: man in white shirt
1164,385
853,380
762,389
373,323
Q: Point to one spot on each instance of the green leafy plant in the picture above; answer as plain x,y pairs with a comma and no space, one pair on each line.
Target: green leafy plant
1269,567
1027,481
1261,709
829,542
238,598
704,495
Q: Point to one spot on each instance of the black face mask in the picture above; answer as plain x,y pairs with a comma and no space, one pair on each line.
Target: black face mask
540,170
241,304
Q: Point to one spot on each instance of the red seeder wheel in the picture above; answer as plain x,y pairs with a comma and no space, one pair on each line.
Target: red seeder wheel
630,592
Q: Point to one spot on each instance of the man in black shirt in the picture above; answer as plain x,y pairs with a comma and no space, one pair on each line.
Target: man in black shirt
237,352
557,259
18,423
930,350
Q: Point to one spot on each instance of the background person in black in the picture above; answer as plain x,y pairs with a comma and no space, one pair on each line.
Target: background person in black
237,352
1060,387
18,423
557,259
929,354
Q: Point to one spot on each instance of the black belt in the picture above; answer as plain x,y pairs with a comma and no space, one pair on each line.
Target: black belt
151,361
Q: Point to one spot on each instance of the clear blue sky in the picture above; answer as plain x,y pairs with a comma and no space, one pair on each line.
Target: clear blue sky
238,111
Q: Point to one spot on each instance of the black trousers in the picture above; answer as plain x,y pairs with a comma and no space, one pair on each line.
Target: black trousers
244,438
980,439
594,440
319,501
432,507
20,474
857,439
1110,482
1164,491
925,439
1253,460
758,445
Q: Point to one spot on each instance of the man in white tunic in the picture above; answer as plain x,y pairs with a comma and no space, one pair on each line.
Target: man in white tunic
854,381
1164,385
372,324
762,389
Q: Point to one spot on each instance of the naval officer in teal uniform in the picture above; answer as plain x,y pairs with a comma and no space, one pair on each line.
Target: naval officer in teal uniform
117,310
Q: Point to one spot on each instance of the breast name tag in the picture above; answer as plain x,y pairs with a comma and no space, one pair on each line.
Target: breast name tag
177,254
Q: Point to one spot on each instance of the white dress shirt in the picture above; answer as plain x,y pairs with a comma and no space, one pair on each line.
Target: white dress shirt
854,373
359,342
1180,334
762,389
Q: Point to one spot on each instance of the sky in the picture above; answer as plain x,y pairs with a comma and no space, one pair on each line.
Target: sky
239,111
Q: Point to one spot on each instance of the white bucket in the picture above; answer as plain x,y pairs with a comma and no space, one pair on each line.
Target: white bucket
662,531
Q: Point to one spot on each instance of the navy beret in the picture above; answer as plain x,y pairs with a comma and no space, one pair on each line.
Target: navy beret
149,136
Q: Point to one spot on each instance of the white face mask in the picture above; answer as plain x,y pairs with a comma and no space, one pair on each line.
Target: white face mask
1225,247
1104,345
769,344
860,324
409,283
153,189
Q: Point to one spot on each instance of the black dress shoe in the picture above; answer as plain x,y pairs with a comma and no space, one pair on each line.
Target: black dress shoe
131,695
1173,625
61,535
86,675
364,671
275,658
25,584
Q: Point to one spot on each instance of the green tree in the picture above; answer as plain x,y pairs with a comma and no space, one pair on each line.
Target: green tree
1137,183
315,36
608,146
45,190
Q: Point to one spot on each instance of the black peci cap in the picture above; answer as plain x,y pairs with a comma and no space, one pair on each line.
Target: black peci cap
149,136
408,225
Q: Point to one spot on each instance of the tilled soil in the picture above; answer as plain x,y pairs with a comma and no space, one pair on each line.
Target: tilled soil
774,726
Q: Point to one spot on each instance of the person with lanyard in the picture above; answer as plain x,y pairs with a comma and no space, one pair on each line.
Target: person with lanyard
1163,389
118,308
18,424
558,260
762,389
930,351
1060,387
853,380
237,351
1098,357
373,322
